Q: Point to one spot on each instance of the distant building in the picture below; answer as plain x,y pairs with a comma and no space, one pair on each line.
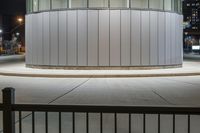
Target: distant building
191,12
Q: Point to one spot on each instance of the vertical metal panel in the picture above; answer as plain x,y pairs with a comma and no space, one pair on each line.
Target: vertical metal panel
125,38
46,38
177,35
39,39
161,37
173,38
181,39
145,45
115,51
82,37
104,37
181,124
166,125
93,37
62,38
168,38
35,39
54,42
153,38
72,38
151,123
28,39
135,38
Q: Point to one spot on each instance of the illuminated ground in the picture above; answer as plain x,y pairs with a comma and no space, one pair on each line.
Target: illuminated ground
170,91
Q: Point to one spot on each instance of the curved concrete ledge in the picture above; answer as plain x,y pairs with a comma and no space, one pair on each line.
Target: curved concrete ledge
104,67
20,70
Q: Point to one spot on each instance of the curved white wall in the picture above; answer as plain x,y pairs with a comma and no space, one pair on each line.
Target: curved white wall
104,38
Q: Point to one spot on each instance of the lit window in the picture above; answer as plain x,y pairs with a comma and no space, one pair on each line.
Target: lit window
119,3
59,4
44,5
139,3
98,3
77,3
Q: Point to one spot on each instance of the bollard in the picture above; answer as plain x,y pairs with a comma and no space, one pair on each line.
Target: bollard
8,113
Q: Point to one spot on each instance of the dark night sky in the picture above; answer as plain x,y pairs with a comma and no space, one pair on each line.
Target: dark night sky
12,7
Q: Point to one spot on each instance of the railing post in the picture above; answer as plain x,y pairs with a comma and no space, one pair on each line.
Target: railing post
8,114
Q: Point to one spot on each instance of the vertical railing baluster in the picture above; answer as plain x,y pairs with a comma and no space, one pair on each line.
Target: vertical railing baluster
174,119
73,122
87,122
60,122
115,122
188,123
20,122
33,122
101,122
46,121
158,123
144,123
8,113
129,119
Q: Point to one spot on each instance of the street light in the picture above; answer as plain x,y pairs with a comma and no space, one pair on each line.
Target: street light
17,34
1,31
20,20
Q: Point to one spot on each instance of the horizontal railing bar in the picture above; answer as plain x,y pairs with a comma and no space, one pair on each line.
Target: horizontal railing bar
106,109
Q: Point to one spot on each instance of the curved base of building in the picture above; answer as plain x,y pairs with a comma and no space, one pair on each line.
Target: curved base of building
104,68
104,39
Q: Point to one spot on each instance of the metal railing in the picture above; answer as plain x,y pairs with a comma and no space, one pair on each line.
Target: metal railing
9,109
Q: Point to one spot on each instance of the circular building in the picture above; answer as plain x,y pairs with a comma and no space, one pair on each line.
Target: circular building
103,33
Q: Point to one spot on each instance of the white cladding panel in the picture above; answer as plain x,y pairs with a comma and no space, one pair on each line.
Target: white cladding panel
46,38
93,37
168,38
135,38
28,40
154,38
161,38
35,39
181,38
54,43
82,38
173,39
62,24
115,51
72,38
40,40
104,38
145,40
125,38
104,41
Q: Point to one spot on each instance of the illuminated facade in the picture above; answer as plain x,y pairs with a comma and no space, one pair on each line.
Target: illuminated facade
104,33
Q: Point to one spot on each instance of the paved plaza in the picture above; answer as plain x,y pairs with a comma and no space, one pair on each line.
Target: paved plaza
150,91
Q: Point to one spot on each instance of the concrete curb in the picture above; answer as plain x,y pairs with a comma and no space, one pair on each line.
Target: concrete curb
98,75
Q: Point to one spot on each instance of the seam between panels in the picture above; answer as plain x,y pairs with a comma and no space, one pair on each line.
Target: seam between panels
58,21
66,38
120,38
77,37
